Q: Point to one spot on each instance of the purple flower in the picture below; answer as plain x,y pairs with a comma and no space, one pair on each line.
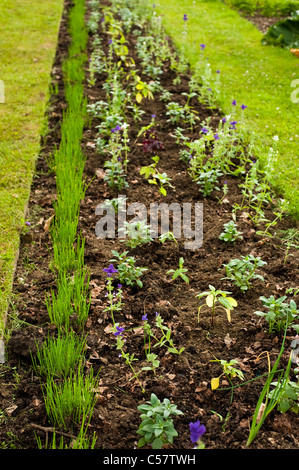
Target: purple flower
28,224
216,137
110,41
225,182
234,102
224,120
202,46
119,330
185,17
153,116
110,270
233,124
243,106
119,286
197,430
116,129
204,130
144,317
218,71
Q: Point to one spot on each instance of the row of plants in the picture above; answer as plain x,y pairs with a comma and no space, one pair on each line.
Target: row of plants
70,386
225,150
69,391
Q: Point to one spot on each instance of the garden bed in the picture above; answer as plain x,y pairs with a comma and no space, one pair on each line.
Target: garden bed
185,379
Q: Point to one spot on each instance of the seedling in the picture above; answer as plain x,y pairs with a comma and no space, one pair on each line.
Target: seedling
128,272
213,299
242,271
136,233
228,370
168,236
280,315
180,271
230,233
157,428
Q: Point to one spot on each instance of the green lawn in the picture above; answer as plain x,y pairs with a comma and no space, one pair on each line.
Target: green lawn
266,7
29,33
256,75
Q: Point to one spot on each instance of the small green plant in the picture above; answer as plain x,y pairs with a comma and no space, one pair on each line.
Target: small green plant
230,233
207,180
157,427
129,358
268,400
175,112
114,205
280,315
72,400
128,272
167,236
115,175
157,178
228,370
165,339
179,272
288,400
136,233
213,299
242,271
57,357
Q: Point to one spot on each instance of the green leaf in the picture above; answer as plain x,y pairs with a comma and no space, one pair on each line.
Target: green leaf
157,443
141,442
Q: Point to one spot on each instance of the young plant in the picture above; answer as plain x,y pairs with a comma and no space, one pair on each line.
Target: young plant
180,271
242,271
230,233
272,398
207,179
157,428
215,297
166,336
129,358
115,175
280,315
150,357
114,205
114,299
228,370
168,236
136,233
288,400
57,357
156,178
128,272
72,400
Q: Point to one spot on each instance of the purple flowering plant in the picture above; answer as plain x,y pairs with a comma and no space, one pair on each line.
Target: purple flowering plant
197,430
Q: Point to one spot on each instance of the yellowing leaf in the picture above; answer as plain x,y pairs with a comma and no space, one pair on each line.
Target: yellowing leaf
228,314
215,383
209,301
139,97
232,301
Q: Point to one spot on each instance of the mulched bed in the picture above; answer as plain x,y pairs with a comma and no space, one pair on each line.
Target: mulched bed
184,379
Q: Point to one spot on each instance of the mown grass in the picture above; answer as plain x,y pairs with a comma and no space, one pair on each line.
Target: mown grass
29,33
256,75
265,7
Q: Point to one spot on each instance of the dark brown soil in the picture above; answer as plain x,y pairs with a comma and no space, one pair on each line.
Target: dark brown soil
262,22
184,379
